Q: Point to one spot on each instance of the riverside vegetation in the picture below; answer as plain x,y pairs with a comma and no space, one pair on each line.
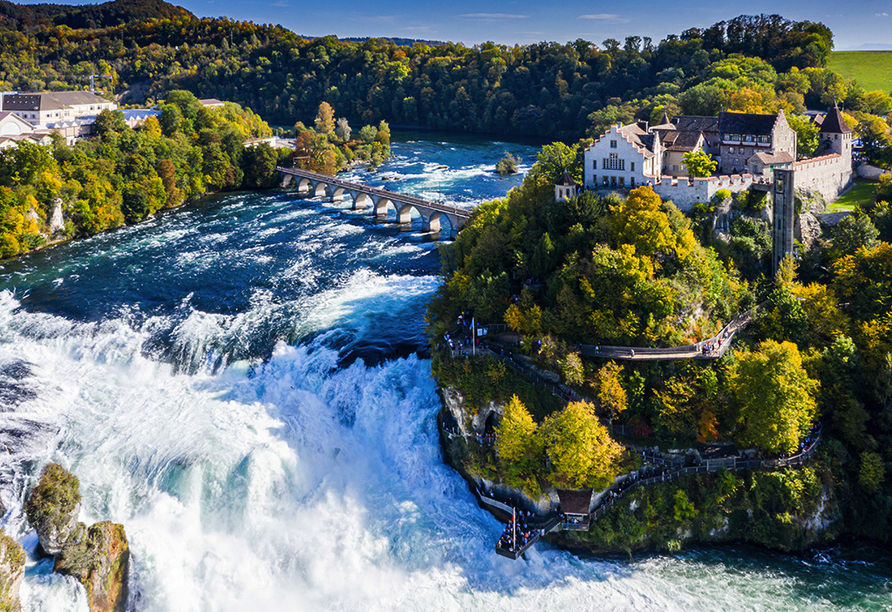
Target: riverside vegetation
636,271
124,175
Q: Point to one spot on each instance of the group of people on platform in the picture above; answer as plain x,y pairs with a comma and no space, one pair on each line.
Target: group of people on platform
515,536
709,347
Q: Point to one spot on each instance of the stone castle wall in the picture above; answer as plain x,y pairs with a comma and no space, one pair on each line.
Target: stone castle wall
828,175
684,193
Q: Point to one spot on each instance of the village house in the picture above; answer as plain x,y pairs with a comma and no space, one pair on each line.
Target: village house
746,146
51,107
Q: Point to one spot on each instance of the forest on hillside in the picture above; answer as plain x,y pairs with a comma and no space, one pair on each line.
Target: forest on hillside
550,89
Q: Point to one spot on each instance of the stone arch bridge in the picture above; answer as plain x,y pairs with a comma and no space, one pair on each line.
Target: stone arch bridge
434,217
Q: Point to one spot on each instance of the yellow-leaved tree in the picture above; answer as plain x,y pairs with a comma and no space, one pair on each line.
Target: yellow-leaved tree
612,396
581,450
775,396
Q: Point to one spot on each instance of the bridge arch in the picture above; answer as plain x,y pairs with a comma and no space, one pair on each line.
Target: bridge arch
360,199
305,186
386,210
440,222
409,214
337,193
321,189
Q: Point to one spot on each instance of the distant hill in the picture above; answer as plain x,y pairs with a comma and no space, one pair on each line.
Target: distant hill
400,42
872,69
103,15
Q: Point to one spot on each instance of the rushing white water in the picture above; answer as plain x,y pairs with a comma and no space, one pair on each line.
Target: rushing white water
226,383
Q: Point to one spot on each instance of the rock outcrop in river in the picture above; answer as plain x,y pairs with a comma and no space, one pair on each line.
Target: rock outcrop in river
97,556
12,570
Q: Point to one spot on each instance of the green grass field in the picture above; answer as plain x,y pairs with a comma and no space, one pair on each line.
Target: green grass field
862,193
872,69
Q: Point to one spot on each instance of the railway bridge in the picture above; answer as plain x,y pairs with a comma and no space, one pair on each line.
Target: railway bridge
435,217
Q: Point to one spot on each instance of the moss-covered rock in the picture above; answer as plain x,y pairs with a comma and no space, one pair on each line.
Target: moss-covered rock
53,506
99,558
12,570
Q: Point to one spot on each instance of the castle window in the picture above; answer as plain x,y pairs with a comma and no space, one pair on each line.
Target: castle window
612,144
622,181
613,163
633,168
594,164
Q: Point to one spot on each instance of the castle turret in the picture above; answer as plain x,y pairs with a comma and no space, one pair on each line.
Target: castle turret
835,134
566,188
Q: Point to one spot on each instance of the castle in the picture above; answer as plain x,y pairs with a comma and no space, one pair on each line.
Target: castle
748,148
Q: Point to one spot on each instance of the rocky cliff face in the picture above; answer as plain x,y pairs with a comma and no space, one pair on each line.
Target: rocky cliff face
98,556
12,570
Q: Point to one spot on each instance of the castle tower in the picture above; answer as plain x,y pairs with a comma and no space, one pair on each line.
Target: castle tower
783,195
566,188
836,135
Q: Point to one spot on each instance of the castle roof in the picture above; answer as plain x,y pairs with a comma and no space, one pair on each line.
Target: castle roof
665,124
769,159
680,141
566,181
747,123
834,122
639,137
696,123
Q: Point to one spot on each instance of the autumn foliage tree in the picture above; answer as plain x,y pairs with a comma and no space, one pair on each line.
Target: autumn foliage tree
580,448
775,397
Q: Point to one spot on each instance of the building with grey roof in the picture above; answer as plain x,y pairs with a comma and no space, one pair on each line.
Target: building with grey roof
54,106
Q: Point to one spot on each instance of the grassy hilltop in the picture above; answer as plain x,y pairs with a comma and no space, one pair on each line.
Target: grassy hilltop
872,69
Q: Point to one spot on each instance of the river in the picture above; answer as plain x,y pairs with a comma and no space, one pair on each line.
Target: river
238,382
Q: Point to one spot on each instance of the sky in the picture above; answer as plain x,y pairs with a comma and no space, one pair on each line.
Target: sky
856,24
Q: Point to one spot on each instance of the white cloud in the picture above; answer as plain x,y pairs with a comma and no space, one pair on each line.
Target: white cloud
881,15
493,16
605,17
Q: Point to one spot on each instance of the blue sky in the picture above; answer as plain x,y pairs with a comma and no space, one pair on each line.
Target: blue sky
855,24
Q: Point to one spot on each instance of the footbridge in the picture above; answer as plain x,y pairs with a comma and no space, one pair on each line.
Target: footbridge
435,217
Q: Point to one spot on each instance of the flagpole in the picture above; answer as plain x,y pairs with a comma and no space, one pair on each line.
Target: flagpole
514,527
474,336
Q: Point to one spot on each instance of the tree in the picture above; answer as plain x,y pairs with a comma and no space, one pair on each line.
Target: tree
507,165
775,396
556,158
854,232
367,134
612,395
699,163
806,135
514,433
342,131
580,448
574,372
259,164
134,203
639,221
325,123
167,172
